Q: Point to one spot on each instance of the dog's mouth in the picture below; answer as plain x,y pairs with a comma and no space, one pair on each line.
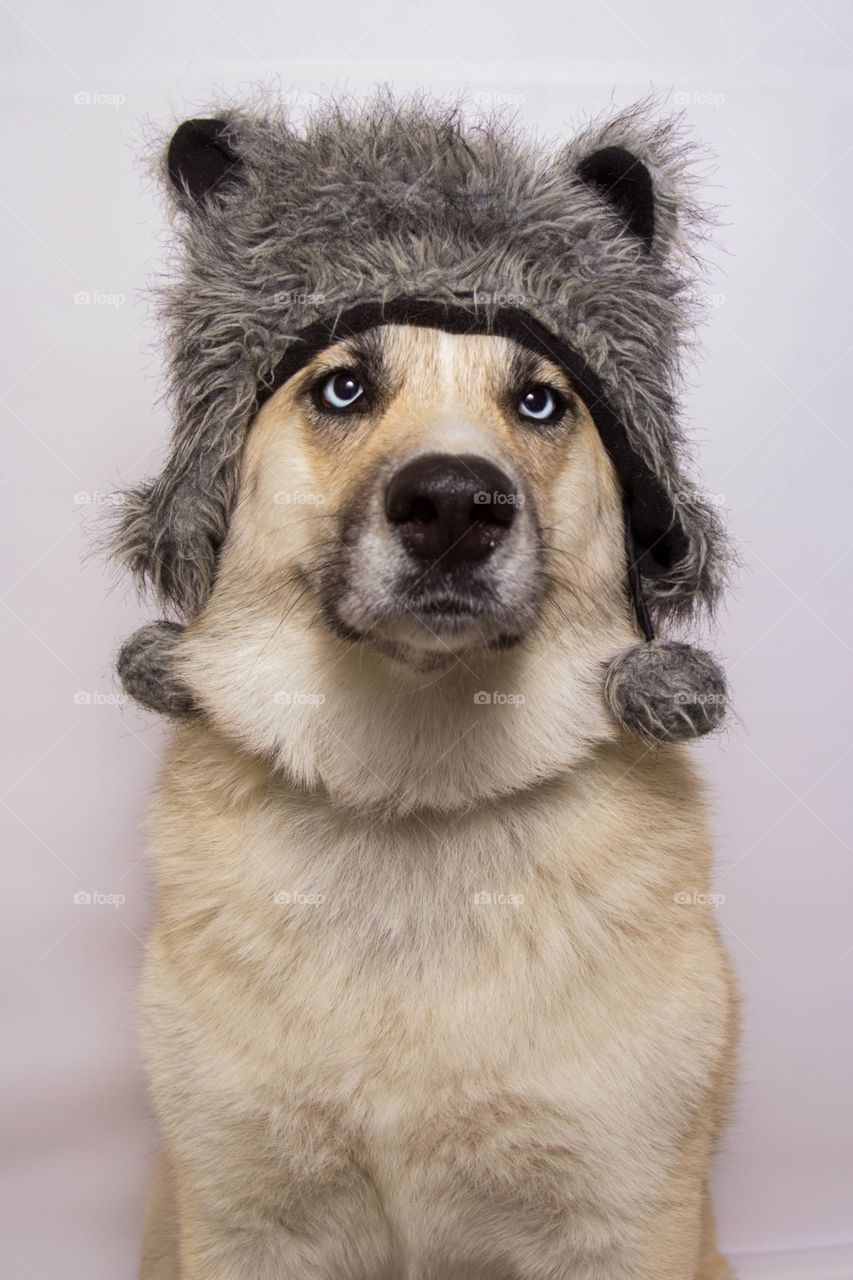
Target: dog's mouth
449,603
451,616
428,617
447,609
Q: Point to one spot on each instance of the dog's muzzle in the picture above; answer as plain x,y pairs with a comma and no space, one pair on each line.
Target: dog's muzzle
440,553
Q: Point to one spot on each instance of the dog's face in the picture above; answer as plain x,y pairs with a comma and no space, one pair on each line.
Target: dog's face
418,500
448,445
423,475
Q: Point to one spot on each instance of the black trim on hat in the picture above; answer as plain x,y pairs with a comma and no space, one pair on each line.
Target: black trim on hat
635,582
657,539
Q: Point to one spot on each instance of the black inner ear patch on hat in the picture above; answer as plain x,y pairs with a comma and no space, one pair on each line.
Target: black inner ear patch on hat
200,160
625,182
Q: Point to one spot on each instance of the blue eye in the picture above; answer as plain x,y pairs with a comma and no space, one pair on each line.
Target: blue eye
341,390
538,402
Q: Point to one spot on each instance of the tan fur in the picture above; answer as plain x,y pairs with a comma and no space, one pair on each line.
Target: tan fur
362,1070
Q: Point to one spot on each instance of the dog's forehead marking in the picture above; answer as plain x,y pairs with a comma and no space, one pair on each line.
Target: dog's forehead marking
448,359
453,425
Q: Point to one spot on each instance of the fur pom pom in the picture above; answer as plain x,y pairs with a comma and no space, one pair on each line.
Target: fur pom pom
666,691
145,668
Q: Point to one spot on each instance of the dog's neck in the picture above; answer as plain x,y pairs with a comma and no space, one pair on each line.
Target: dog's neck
375,734
411,890
398,799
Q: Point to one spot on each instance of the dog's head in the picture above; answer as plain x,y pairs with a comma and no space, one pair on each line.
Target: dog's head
418,501
417,366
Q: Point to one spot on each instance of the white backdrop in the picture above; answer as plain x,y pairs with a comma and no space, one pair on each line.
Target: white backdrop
768,87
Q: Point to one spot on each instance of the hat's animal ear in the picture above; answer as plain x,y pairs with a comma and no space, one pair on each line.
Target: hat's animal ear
200,160
625,183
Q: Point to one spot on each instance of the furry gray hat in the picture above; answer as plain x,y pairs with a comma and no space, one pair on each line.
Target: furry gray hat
404,212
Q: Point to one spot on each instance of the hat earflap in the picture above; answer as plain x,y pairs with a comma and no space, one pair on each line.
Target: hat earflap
662,690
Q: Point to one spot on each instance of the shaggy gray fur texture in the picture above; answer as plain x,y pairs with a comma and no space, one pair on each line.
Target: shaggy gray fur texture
666,691
367,204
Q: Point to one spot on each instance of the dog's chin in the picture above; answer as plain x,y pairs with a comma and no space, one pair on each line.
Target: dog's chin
431,634
434,632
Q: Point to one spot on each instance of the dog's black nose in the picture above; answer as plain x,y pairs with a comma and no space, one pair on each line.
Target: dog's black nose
451,508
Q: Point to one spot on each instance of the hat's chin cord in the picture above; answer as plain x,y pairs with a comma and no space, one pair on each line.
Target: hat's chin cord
661,690
635,583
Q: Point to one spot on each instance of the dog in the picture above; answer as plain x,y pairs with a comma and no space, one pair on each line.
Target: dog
434,991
